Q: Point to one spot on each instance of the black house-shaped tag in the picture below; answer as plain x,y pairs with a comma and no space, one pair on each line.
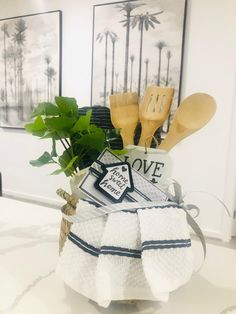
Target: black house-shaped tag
115,181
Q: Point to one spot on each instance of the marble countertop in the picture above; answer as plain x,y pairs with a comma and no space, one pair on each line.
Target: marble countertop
28,283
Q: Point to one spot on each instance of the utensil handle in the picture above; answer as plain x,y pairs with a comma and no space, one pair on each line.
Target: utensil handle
148,129
168,143
127,135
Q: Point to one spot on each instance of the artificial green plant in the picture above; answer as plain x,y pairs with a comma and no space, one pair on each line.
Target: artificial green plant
82,142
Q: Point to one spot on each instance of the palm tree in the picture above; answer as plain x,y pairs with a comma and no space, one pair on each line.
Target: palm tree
4,28
131,71
48,61
117,76
19,38
168,55
105,34
143,21
146,61
160,45
114,39
12,55
128,7
50,73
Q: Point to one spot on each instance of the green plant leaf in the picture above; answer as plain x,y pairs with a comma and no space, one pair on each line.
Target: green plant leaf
66,163
59,123
83,123
42,160
119,151
67,106
68,169
93,140
57,135
37,128
45,109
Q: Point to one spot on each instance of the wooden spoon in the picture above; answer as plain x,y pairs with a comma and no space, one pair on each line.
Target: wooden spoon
154,109
192,114
124,115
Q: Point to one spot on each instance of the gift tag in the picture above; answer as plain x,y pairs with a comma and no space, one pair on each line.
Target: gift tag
154,163
115,181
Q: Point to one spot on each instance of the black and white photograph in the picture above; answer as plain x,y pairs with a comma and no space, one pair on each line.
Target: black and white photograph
136,44
30,65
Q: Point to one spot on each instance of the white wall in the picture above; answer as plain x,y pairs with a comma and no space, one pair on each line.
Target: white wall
203,161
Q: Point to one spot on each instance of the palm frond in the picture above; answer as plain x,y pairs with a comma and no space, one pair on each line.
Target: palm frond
151,24
160,12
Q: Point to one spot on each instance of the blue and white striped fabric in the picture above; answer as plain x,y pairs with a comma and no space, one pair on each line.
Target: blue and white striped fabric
138,253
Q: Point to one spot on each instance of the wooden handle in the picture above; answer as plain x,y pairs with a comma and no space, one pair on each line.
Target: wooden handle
124,115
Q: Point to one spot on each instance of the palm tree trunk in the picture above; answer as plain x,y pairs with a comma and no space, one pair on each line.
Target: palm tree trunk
131,75
146,75
117,82
159,68
15,82
167,71
48,82
113,67
105,75
140,59
21,85
126,52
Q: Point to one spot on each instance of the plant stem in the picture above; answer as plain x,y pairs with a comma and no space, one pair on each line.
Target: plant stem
67,149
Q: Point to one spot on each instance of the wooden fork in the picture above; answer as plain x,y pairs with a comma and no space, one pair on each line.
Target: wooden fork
154,109
124,115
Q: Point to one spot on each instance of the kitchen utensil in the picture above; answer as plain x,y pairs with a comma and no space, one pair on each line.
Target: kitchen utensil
192,114
124,115
154,109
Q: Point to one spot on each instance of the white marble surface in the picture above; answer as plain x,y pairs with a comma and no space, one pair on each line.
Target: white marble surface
28,284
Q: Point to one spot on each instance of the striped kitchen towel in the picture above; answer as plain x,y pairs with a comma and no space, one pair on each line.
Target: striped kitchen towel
136,253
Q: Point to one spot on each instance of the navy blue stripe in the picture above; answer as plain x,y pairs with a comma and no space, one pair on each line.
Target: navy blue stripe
117,248
83,245
166,241
121,254
134,253
166,246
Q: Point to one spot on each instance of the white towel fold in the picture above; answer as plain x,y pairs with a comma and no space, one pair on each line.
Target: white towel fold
119,273
78,261
128,255
166,248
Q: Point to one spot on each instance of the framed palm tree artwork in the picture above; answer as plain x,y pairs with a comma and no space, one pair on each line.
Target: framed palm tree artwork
135,44
30,65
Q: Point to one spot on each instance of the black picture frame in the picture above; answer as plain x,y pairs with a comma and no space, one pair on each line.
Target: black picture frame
31,64
116,68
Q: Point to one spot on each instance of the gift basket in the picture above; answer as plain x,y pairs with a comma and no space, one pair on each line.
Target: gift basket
125,227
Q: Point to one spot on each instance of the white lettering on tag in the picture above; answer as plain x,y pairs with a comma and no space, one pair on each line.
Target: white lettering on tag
116,181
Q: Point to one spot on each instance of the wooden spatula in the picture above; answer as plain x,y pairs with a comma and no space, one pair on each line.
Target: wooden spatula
191,115
154,109
124,115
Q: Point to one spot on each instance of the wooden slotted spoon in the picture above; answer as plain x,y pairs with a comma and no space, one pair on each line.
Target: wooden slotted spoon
154,109
191,115
124,115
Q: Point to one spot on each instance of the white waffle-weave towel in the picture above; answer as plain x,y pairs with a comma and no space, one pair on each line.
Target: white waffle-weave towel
119,273
142,254
78,261
166,247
